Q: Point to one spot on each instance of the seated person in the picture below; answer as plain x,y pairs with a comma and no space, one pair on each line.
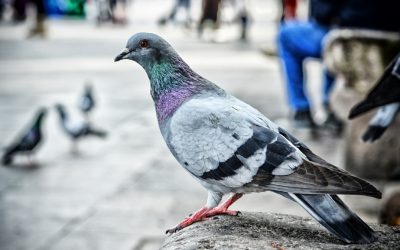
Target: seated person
301,40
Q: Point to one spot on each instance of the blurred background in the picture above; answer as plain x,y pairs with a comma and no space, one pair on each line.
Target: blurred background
123,189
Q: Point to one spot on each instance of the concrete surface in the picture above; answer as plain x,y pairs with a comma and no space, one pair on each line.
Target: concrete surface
270,231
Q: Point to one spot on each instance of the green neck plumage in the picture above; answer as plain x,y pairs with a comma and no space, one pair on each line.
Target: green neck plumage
38,121
166,76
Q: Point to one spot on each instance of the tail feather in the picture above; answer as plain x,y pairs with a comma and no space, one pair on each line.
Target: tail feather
373,133
7,158
335,216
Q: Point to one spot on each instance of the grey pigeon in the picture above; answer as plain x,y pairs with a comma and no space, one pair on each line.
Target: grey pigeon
77,129
29,140
381,121
87,103
230,147
386,96
385,91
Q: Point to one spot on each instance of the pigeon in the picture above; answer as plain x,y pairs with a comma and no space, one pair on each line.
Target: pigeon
231,148
380,122
87,103
77,129
29,140
386,96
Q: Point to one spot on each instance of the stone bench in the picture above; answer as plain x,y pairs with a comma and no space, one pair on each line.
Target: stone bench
269,231
357,58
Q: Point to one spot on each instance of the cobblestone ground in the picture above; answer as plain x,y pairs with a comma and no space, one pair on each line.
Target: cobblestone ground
124,191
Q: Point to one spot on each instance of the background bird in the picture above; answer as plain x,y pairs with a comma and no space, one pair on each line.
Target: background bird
77,129
230,147
386,95
28,141
86,102
381,121
386,90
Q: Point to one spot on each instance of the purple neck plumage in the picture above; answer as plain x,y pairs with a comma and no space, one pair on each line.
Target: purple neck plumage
172,83
169,102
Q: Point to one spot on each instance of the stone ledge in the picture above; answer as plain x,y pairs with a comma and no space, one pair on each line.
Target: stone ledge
270,231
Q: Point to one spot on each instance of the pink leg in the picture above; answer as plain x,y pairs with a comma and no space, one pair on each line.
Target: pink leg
223,209
206,212
197,216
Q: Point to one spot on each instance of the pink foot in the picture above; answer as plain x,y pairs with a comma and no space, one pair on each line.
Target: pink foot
222,211
197,216
205,213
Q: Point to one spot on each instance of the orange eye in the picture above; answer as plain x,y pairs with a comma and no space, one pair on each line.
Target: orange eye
144,44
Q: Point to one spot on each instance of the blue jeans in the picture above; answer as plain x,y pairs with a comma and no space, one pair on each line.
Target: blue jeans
298,41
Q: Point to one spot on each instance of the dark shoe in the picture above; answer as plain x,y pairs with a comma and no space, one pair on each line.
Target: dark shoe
38,31
303,119
333,124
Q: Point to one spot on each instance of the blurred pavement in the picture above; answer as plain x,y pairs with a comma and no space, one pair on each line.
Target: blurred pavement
125,191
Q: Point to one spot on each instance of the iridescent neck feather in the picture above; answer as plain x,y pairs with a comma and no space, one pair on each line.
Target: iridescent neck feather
172,83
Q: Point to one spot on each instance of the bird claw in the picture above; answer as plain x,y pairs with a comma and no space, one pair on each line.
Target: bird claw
204,214
173,230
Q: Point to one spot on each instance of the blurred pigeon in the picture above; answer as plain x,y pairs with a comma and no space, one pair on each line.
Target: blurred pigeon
381,121
230,147
87,103
386,90
77,129
29,140
386,95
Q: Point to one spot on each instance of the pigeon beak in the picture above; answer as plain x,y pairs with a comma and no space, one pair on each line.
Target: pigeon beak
122,55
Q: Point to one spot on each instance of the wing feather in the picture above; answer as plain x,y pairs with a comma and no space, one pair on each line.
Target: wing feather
225,142
230,146
313,176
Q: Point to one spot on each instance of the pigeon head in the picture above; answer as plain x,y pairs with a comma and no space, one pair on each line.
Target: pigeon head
61,110
41,113
165,68
148,50
172,81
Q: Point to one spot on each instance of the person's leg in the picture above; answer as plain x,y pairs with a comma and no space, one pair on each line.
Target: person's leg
293,69
297,41
39,28
186,5
332,122
19,7
327,86
242,15
174,10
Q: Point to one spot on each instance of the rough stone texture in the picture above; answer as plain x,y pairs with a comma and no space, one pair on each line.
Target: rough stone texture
358,58
270,231
363,159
